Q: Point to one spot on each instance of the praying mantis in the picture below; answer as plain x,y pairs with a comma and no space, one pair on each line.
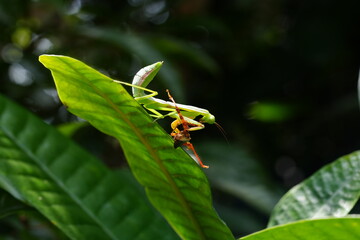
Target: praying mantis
184,115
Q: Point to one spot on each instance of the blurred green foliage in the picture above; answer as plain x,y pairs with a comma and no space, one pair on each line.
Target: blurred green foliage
220,55
270,111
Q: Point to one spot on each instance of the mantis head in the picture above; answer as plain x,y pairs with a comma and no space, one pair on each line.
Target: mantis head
208,118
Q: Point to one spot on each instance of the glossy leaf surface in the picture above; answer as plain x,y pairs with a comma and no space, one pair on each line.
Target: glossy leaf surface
330,192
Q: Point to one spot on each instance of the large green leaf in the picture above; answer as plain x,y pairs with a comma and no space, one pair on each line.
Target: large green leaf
332,191
174,183
319,229
41,167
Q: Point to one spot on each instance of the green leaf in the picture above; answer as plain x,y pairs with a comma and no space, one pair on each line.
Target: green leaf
270,112
74,190
332,191
319,229
174,183
69,129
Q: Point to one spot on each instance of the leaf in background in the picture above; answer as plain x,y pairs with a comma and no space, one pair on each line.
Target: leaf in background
332,191
240,175
270,112
70,128
332,228
174,183
71,188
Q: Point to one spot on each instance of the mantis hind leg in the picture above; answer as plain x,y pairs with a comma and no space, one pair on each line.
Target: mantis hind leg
155,114
191,147
155,111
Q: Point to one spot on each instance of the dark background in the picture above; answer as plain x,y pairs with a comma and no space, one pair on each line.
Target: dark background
280,77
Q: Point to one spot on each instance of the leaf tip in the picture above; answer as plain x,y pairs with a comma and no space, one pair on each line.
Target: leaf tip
45,57
42,58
